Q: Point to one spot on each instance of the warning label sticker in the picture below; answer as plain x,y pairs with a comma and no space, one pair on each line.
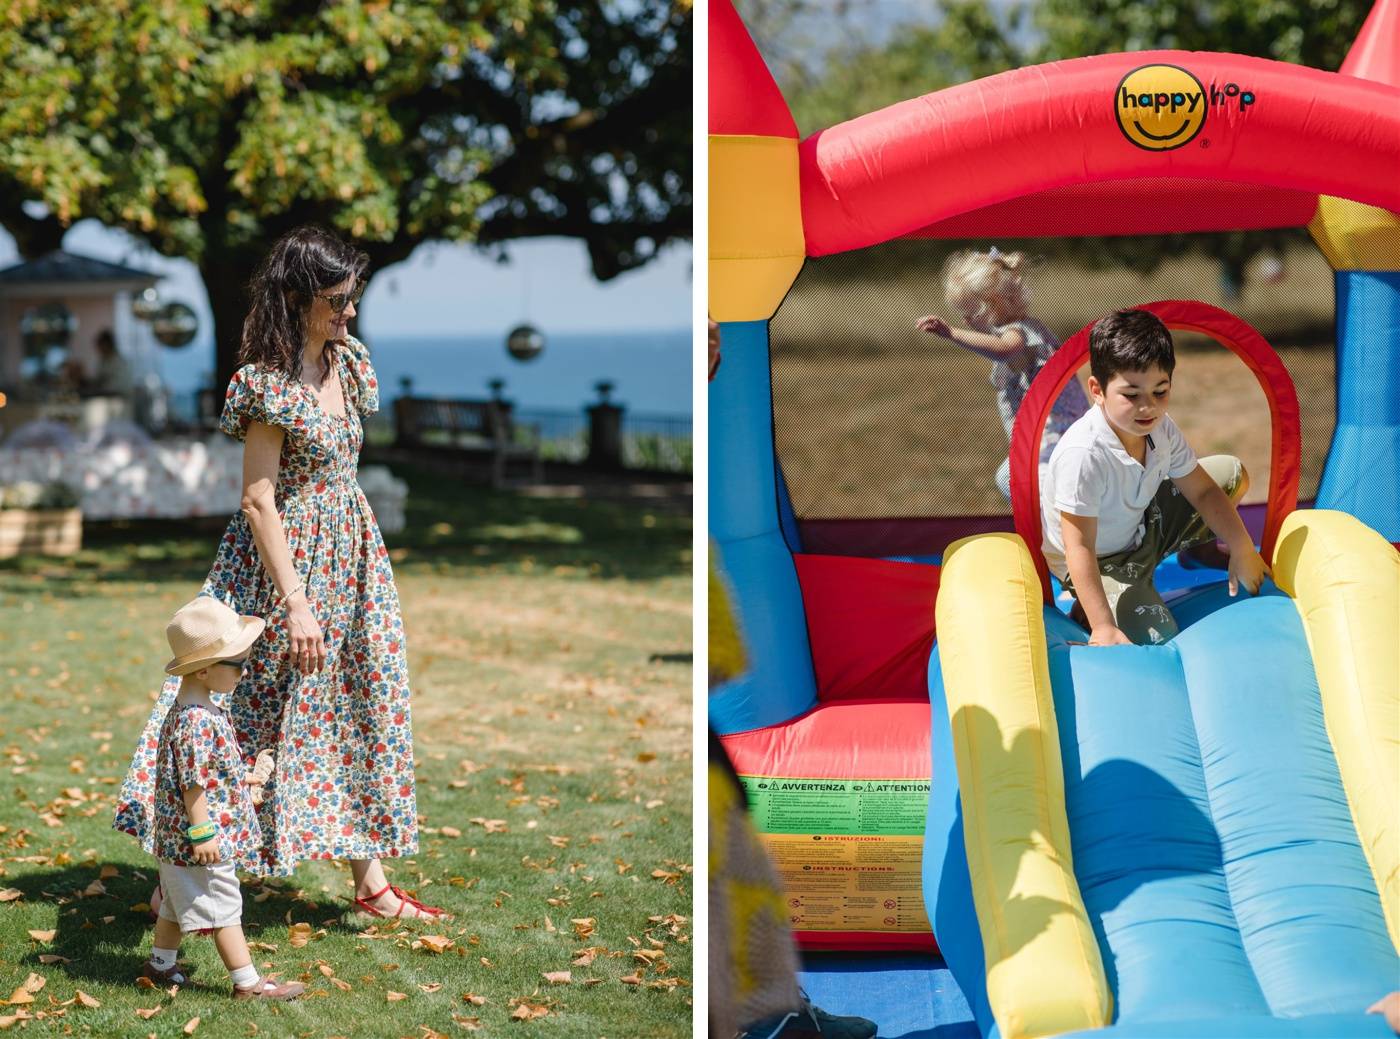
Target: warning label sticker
884,807
849,853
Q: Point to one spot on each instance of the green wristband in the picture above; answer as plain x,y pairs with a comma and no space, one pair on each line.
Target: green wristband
201,832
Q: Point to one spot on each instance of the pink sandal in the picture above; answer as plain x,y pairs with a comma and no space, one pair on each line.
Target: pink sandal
405,899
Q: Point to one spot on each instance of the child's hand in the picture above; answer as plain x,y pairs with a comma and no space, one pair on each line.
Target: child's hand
935,324
1109,636
1390,1007
1248,569
208,853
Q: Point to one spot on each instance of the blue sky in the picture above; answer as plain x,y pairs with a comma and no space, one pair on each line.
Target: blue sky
447,289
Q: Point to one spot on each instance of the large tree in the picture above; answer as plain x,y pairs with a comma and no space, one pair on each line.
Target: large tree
209,128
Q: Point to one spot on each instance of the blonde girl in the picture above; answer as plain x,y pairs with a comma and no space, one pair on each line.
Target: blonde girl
989,289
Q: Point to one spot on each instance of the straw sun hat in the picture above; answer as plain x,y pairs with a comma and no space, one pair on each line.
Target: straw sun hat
205,631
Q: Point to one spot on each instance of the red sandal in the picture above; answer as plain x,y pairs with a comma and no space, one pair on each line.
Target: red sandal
405,899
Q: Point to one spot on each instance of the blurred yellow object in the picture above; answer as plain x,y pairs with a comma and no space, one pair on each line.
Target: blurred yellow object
1045,974
1356,237
1345,580
727,660
756,241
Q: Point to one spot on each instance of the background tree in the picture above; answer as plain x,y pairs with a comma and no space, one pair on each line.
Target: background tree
208,129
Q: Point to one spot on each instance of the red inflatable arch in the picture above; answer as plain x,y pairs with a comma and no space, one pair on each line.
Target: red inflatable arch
1179,315
1292,132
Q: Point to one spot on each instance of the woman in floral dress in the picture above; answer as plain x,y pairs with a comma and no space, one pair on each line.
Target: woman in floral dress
326,689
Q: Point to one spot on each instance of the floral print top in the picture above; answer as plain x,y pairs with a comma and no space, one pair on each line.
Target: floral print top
197,747
343,784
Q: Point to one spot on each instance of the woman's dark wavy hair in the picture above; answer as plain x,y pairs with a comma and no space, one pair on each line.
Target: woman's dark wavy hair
303,264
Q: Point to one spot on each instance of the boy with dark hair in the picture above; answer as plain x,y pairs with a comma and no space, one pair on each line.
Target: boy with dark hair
1124,490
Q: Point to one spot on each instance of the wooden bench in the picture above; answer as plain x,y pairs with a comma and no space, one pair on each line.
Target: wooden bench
486,426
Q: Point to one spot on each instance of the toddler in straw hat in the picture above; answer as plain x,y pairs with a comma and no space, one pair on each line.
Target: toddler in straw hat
205,823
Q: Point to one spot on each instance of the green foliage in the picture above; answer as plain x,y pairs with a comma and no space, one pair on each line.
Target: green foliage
207,129
1316,33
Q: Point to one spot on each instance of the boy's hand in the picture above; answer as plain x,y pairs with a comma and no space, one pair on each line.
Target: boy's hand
1248,569
1109,636
935,324
208,853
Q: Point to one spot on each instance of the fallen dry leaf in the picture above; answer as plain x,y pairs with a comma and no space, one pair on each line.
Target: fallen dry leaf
191,1025
42,936
431,988
344,986
25,993
146,1013
49,958
10,894
299,935
95,890
631,979
434,943
108,872
394,997
450,831
528,1012
467,1024
585,927
86,1000
558,977
145,982
473,999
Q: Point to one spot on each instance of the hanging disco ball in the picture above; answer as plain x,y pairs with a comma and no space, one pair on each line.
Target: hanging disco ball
525,342
174,325
146,306
45,327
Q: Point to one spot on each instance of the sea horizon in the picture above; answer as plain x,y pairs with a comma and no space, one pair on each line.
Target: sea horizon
650,370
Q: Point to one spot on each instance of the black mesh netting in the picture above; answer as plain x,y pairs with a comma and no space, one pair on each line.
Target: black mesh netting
875,419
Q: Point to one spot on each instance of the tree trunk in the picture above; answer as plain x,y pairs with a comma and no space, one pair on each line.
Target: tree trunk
225,280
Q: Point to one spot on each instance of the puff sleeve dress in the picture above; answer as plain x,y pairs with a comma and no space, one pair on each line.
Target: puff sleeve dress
343,785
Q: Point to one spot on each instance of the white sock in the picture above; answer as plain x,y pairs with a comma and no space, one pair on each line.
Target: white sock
244,977
163,959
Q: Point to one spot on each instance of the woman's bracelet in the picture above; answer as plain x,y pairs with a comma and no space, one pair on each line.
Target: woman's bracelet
201,832
299,586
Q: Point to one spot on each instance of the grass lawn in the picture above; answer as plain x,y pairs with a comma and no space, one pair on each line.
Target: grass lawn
549,648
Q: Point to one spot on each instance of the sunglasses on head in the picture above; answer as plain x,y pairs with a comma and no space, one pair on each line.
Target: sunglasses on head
340,300
240,664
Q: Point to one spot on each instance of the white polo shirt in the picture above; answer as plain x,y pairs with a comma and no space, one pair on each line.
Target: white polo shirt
1092,474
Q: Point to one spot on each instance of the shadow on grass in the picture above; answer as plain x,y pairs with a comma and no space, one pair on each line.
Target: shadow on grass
113,953
452,527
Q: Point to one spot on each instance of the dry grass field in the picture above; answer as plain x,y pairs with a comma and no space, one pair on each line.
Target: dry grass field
874,419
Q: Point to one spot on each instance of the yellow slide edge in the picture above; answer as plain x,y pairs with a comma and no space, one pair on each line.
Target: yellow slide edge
1345,580
1045,975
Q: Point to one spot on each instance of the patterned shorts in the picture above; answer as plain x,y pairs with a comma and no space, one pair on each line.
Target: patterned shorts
1171,524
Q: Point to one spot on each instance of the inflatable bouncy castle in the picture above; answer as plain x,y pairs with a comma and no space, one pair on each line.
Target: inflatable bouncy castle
1198,838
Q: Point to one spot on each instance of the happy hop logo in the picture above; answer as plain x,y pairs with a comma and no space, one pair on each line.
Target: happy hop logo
1162,107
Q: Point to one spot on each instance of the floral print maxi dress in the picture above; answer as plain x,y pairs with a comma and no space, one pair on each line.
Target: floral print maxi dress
343,784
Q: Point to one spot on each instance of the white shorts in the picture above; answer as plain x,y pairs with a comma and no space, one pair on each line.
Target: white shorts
200,897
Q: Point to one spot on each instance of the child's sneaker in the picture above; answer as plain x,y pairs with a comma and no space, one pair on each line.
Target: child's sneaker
165,978
266,988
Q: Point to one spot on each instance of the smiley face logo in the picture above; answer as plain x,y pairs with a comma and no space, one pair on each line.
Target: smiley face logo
1160,107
